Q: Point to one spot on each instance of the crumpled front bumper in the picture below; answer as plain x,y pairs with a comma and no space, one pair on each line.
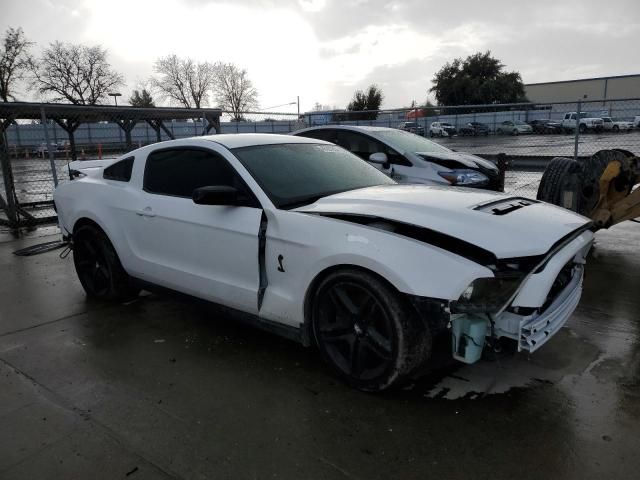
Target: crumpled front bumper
545,316
533,331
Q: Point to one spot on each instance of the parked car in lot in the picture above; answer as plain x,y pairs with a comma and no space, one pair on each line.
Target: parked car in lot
636,121
616,124
409,158
545,126
511,127
474,128
412,127
441,129
587,122
311,242
42,149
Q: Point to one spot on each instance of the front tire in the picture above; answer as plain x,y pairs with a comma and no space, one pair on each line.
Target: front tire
98,266
365,330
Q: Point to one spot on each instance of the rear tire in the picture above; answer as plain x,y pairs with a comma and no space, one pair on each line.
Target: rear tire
98,266
366,331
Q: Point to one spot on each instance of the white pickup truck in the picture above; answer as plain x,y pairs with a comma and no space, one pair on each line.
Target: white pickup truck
587,122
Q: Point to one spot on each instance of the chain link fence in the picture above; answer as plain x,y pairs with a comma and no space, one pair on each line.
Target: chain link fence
38,140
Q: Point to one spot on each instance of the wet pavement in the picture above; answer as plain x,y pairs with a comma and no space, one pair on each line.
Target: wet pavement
166,387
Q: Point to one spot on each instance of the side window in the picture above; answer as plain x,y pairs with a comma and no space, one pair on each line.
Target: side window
178,172
326,134
120,171
359,144
363,146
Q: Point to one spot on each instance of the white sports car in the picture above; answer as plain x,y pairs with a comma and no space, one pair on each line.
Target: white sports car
314,243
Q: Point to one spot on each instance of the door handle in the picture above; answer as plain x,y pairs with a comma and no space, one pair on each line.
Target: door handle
146,212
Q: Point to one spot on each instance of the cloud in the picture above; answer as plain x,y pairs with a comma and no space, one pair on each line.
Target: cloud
323,50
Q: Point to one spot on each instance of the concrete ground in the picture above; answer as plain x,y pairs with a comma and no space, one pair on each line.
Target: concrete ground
166,387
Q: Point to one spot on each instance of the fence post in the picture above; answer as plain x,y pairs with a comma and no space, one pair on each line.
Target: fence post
10,206
52,160
577,133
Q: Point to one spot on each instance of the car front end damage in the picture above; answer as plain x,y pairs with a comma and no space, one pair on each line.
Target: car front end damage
527,259
528,300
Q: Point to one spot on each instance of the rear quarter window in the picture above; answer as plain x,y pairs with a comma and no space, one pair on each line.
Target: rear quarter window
119,171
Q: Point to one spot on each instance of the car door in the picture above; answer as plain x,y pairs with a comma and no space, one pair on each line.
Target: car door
210,251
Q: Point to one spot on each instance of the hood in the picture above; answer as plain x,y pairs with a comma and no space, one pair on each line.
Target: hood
466,214
466,159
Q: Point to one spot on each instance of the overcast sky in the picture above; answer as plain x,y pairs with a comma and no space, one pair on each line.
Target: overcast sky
323,50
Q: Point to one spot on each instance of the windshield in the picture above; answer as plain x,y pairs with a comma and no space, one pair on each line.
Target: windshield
409,142
297,174
519,122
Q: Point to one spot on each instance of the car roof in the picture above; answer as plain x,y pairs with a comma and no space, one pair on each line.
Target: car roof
365,128
237,140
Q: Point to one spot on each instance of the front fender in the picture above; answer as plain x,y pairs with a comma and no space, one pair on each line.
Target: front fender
300,246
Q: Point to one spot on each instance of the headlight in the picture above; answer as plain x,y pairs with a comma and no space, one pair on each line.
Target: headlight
487,294
465,177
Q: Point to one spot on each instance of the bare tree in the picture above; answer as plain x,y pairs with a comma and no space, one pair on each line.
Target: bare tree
233,90
75,73
14,61
184,81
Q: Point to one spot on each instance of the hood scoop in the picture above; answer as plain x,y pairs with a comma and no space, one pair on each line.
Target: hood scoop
503,207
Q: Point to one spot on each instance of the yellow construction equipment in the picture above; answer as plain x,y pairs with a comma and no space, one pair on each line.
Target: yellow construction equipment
601,187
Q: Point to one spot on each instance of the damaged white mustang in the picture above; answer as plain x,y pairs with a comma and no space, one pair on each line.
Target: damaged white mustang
312,242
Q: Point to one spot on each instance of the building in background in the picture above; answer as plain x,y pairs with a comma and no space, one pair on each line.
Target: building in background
601,88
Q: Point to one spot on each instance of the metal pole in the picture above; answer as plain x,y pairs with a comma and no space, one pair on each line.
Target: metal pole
52,160
9,186
298,106
577,134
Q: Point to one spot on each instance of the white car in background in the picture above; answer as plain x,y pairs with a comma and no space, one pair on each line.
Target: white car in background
409,158
514,127
311,242
441,129
617,124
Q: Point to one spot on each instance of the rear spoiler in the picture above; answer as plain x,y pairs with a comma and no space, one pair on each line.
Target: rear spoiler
88,167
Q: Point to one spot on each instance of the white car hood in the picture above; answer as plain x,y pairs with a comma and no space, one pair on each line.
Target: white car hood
527,231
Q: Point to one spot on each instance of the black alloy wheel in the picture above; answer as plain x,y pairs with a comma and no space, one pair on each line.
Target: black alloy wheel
365,331
98,266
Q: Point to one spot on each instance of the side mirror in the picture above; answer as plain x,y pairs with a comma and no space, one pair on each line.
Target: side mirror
378,157
216,195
